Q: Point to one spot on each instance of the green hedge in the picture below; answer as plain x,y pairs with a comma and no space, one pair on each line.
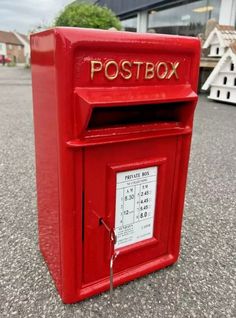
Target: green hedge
87,16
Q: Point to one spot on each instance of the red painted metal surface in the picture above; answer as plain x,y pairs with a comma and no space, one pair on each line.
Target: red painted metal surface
106,102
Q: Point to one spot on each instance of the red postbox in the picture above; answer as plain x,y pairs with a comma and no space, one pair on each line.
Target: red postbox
113,115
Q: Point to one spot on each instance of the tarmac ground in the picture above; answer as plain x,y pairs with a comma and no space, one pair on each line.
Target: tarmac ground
201,284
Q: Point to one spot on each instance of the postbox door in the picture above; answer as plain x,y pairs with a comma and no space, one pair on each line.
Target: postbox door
130,186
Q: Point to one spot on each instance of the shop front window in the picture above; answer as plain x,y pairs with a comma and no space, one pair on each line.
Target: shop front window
130,24
189,18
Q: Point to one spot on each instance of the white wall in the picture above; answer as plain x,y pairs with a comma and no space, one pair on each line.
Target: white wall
223,94
3,49
227,92
229,79
213,50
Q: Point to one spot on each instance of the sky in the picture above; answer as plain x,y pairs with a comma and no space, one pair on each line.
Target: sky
25,15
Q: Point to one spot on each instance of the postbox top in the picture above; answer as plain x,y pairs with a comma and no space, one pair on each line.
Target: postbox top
101,58
82,35
93,73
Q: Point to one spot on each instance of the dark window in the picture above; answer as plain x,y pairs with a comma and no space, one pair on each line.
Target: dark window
232,67
225,80
235,81
228,95
217,50
218,93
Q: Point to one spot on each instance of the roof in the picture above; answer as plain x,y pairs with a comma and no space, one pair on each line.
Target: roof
223,27
9,38
230,53
226,35
233,47
22,38
25,37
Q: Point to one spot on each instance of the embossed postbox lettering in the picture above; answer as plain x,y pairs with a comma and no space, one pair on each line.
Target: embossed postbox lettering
137,70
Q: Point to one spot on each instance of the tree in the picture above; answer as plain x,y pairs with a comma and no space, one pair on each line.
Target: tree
87,16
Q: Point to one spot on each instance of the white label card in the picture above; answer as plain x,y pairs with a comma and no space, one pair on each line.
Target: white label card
135,205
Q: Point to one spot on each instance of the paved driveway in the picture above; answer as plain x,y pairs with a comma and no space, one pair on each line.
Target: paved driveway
201,284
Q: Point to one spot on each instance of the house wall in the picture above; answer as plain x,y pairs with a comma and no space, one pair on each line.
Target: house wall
16,53
3,49
26,47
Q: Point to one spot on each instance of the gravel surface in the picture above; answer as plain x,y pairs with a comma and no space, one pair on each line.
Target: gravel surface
201,284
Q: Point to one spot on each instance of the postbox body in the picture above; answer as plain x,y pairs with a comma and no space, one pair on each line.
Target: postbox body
113,115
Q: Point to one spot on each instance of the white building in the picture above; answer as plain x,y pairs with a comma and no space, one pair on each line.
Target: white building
3,49
219,40
222,80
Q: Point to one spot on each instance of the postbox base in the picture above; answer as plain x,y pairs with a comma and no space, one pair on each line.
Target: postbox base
120,278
